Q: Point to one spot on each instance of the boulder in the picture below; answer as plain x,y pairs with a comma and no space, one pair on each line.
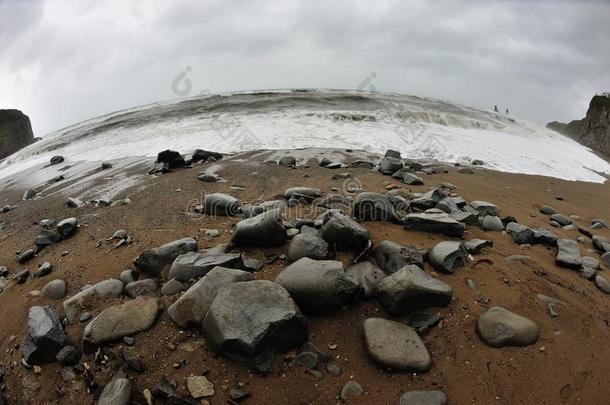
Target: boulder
391,256
491,223
45,336
153,261
55,290
484,208
374,207
568,254
116,392
344,233
192,265
389,165
252,322
307,245
368,277
15,132
266,229
544,237
411,289
446,256
434,397
287,161
141,287
172,158
172,287
192,306
499,327
434,223
318,286
201,154
125,319
520,234
219,204
412,180
474,246
110,288
427,200
396,346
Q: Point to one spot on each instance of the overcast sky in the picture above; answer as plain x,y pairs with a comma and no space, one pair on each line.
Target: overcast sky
62,61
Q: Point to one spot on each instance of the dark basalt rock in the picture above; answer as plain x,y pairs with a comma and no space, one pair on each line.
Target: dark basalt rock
45,337
344,233
266,229
391,256
200,154
172,158
375,207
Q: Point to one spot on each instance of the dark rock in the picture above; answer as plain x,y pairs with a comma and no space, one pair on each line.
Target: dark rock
344,233
26,256
153,261
544,237
422,322
192,265
287,161
368,277
568,254
200,154
434,223
29,194
303,194
446,256
467,218
374,207
392,154
363,163
519,233
67,227
45,336
412,180
491,223
307,245
485,208
411,289
68,356
318,286
427,200
547,210
172,287
45,269
132,361
390,165
499,327
208,178
73,202
22,276
251,322
171,158
55,160
266,229
474,246
448,205
15,132
192,306
141,287
117,392
351,389
561,219
391,256
396,346
435,397
219,204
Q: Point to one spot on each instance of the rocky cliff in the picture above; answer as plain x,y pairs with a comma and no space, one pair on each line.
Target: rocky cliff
15,132
593,130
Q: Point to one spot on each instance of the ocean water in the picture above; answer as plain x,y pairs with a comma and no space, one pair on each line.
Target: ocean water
282,119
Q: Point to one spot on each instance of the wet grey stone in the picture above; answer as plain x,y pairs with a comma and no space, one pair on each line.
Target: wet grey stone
73,202
55,290
447,256
219,204
484,208
192,306
351,389
422,322
307,245
318,286
368,277
67,227
499,327
427,200
266,229
117,392
303,194
192,265
434,223
434,397
475,246
172,287
491,223
519,233
374,207
252,322
344,233
544,237
391,256
389,165
45,336
411,289
396,346
568,254
561,219
153,261
141,287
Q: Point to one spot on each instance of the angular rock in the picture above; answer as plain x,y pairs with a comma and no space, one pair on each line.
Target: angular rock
368,277
44,270
252,322
485,208
318,286
120,320
45,336
199,386
602,244
519,233
192,306
68,356
474,246
391,256
374,207
192,265
544,237
55,160
172,158
412,180
568,254
427,200
141,287
434,223
345,233
389,165
117,392
411,289
219,204
467,218
172,287
110,288
446,256
201,154
491,223
307,245
396,346
499,327
153,261
434,397
266,229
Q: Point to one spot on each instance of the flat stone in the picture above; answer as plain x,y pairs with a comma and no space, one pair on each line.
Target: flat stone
485,208
55,290
375,207
427,200
193,265
544,237
249,210
45,336
411,289
318,286
345,233
141,287
568,254
110,288
391,256
117,392
474,246
266,229
434,223
253,321
304,194
562,220
447,256
121,320
192,306
368,277
602,244
547,210
434,397
396,346
467,218
307,245
499,327
519,233
153,261
199,386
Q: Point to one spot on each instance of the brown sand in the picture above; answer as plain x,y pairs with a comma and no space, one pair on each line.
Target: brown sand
569,364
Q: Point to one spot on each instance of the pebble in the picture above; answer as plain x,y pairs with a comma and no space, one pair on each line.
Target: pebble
351,389
199,386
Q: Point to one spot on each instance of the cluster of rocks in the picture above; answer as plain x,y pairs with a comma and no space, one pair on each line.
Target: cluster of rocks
169,160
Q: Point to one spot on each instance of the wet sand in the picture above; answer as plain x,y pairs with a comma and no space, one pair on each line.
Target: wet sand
568,365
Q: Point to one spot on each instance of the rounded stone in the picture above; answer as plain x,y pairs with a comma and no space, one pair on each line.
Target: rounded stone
499,327
55,290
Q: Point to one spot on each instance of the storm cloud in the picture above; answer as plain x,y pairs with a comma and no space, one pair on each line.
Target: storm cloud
62,61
